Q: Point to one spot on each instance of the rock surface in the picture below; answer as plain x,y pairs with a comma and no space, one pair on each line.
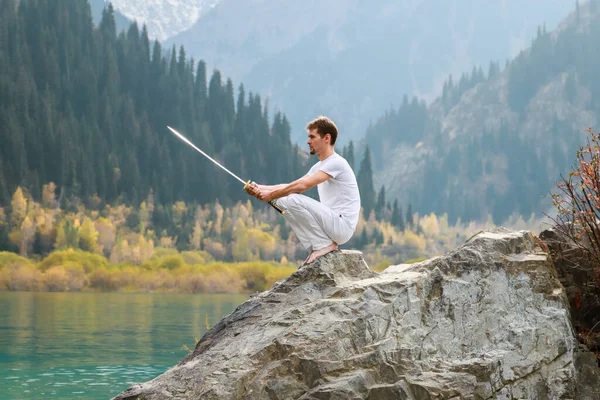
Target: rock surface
486,321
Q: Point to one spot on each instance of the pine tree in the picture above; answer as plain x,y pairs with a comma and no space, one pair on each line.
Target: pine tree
409,216
350,155
397,218
108,27
4,194
215,112
380,205
364,239
379,239
365,183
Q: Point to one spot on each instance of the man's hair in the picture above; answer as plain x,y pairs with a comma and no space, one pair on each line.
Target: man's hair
324,125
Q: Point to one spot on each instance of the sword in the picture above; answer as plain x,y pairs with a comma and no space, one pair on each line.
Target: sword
183,138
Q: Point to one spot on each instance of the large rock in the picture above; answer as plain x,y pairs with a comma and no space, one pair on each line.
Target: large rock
488,320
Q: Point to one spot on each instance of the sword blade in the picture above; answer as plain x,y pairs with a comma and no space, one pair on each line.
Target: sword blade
184,139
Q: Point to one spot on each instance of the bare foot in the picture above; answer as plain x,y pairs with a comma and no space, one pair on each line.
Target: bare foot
318,253
306,261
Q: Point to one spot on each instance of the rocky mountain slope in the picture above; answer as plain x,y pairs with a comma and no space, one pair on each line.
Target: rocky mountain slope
501,147
488,320
164,18
351,59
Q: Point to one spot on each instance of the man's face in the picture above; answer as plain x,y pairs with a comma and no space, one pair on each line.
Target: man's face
316,143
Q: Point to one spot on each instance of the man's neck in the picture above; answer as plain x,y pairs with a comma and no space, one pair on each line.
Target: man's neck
328,151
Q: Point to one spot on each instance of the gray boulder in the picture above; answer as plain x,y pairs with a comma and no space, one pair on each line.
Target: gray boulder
486,321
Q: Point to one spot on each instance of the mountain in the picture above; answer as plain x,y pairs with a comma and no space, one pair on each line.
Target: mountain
164,18
350,59
496,144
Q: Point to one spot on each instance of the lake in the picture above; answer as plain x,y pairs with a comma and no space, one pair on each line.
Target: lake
95,345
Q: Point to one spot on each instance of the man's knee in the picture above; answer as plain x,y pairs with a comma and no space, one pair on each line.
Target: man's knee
290,201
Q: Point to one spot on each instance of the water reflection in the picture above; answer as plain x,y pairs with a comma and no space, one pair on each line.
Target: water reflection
63,345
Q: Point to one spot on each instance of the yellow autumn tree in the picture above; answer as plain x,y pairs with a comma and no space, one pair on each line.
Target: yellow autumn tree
414,242
262,243
49,195
196,238
88,237
120,252
430,225
239,249
18,207
15,237
215,249
27,236
142,251
67,235
144,216
179,210
61,238
218,219
106,234
46,226
167,242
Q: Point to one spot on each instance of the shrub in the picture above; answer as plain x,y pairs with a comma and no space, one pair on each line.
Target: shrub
163,258
171,262
578,221
578,199
89,261
222,278
23,278
4,279
8,258
197,257
56,279
254,275
77,279
160,252
101,279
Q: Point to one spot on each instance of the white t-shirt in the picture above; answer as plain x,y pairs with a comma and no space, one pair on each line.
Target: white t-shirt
340,192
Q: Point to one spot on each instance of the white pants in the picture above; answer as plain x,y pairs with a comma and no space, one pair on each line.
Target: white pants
315,224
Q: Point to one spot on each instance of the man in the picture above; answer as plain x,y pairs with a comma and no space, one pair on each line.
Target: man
320,226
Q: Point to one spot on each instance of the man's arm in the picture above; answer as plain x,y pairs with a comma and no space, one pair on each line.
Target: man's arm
270,187
298,186
254,189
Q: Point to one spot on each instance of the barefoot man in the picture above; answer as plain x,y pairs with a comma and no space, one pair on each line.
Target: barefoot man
319,226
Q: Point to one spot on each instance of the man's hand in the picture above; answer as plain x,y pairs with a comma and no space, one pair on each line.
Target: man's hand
265,195
253,190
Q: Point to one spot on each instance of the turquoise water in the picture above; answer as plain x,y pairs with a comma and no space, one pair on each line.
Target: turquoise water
95,345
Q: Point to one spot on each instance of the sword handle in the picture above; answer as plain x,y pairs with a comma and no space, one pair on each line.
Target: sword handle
276,207
271,203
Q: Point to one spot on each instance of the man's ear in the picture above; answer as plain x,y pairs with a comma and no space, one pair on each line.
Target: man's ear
328,135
